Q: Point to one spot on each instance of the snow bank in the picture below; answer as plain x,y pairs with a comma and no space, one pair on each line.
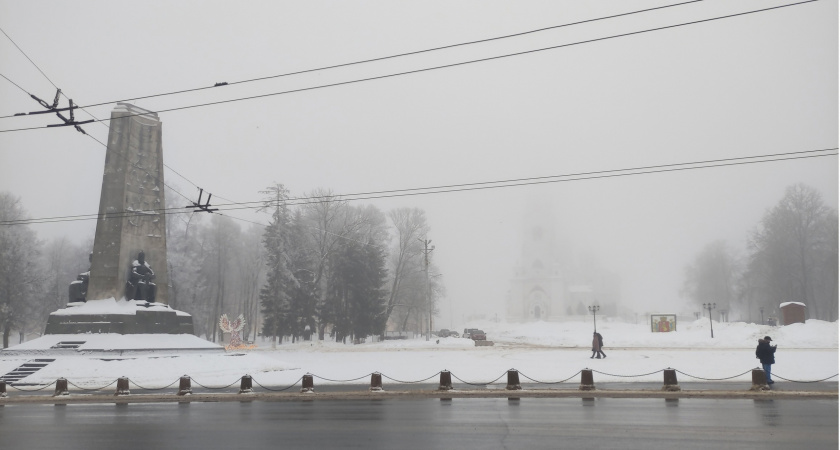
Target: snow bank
543,351
113,341
812,334
111,306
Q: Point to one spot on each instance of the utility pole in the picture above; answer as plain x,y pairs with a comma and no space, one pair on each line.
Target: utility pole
426,251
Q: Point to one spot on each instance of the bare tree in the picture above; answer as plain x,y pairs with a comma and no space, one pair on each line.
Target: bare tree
329,220
223,235
21,276
712,276
788,249
409,226
251,273
63,262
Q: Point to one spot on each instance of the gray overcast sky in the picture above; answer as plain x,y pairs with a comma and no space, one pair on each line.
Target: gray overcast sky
758,84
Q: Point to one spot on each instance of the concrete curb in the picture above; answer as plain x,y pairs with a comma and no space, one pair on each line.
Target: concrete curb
436,394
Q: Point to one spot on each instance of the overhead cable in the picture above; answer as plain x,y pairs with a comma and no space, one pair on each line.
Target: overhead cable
382,58
458,64
582,176
57,111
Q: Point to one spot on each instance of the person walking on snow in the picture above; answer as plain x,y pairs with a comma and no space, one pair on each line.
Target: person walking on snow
600,344
597,343
765,353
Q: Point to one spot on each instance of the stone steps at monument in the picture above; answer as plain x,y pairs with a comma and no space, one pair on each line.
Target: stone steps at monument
25,369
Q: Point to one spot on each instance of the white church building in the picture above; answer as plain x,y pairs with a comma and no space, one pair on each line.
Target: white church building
553,280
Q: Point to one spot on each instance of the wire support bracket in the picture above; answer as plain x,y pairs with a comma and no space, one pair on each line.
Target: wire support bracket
53,108
206,206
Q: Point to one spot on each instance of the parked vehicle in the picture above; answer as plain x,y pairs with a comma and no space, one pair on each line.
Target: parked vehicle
478,335
391,335
446,333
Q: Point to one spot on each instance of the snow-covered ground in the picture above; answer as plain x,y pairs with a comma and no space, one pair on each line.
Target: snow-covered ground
542,351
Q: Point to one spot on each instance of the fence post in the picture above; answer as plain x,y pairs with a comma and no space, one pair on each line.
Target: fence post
670,382
445,381
61,387
376,382
308,384
513,380
3,389
586,382
246,385
759,380
185,385
122,386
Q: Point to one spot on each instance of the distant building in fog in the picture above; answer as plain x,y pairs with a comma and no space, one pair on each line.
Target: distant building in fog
553,280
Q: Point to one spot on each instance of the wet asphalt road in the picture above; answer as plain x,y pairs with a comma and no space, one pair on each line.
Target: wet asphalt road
527,423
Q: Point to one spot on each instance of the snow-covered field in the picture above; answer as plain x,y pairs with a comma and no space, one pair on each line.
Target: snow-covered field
543,351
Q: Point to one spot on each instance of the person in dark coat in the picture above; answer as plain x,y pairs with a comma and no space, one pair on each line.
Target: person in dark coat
766,354
597,345
600,344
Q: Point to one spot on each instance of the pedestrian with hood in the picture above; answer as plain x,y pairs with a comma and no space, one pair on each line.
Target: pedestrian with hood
766,354
597,344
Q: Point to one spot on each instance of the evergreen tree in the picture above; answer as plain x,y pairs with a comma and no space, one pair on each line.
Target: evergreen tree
303,295
275,294
371,303
356,298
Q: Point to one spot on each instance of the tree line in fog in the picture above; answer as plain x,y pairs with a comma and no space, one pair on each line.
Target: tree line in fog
789,256
323,267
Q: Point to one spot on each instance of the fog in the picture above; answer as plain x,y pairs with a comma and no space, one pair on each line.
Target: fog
759,84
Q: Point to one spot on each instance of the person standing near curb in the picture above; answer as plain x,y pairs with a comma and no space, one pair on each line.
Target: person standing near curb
766,354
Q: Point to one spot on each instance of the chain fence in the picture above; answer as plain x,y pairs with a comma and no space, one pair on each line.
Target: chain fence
29,387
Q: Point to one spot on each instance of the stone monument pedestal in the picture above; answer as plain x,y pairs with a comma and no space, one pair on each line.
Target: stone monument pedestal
120,317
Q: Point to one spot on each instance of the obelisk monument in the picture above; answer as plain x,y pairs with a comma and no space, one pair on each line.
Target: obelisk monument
132,214
128,279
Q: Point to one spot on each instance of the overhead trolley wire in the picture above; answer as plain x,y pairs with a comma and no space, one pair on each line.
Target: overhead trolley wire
329,67
548,177
121,155
612,173
27,57
48,79
399,55
97,119
16,85
458,64
108,127
477,186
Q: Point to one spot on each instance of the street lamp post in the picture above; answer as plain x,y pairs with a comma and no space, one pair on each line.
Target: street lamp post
594,309
761,310
710,307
